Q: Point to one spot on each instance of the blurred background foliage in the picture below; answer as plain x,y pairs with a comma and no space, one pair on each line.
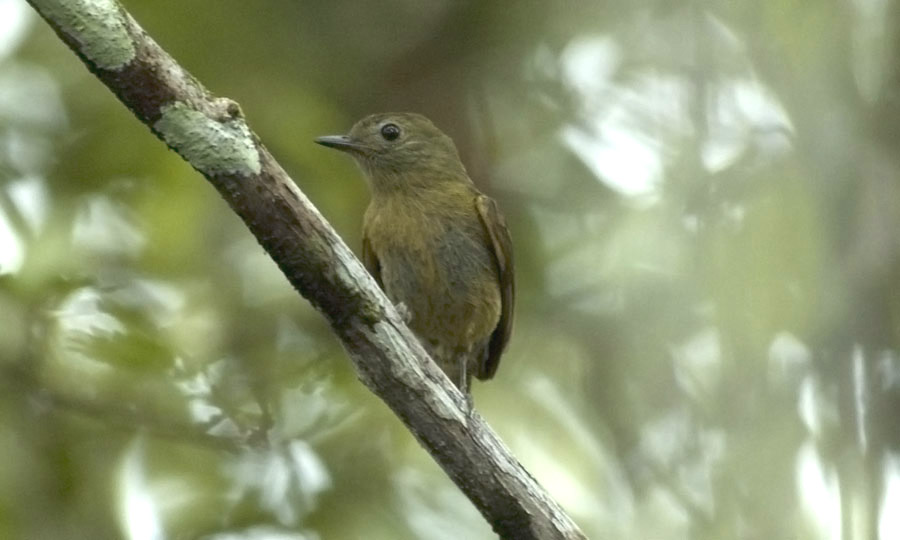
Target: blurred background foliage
704,197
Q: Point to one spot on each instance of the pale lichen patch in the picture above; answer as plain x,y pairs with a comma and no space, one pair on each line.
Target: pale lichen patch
212,146
97,25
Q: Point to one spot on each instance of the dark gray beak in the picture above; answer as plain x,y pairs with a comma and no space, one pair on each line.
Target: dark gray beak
341,142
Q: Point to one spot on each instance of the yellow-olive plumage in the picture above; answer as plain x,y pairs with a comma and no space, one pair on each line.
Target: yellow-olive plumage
437,246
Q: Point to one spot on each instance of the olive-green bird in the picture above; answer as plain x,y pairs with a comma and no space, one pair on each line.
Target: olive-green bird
437,246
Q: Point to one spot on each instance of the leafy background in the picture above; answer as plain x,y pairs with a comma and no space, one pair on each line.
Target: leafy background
704,200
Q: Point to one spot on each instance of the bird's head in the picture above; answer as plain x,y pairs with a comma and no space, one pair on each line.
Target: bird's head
400,149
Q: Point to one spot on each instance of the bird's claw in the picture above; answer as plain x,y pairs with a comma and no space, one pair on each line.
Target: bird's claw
404,312
470,405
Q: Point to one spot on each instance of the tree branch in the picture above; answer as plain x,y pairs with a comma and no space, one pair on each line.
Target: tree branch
212,135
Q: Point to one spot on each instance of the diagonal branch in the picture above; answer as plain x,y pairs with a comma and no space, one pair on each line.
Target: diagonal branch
212,135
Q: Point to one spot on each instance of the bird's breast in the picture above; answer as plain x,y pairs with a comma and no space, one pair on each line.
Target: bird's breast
441,267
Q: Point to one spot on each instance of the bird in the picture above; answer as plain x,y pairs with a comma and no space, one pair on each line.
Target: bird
438,247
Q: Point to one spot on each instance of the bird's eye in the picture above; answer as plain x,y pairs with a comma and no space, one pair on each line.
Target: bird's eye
390,131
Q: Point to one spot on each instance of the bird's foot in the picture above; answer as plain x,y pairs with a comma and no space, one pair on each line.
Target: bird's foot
465,387
404,312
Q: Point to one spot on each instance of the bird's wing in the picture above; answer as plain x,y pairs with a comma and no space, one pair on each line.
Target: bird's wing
495,226
370,260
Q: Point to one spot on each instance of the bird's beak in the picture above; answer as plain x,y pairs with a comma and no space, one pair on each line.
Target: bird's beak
341,142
